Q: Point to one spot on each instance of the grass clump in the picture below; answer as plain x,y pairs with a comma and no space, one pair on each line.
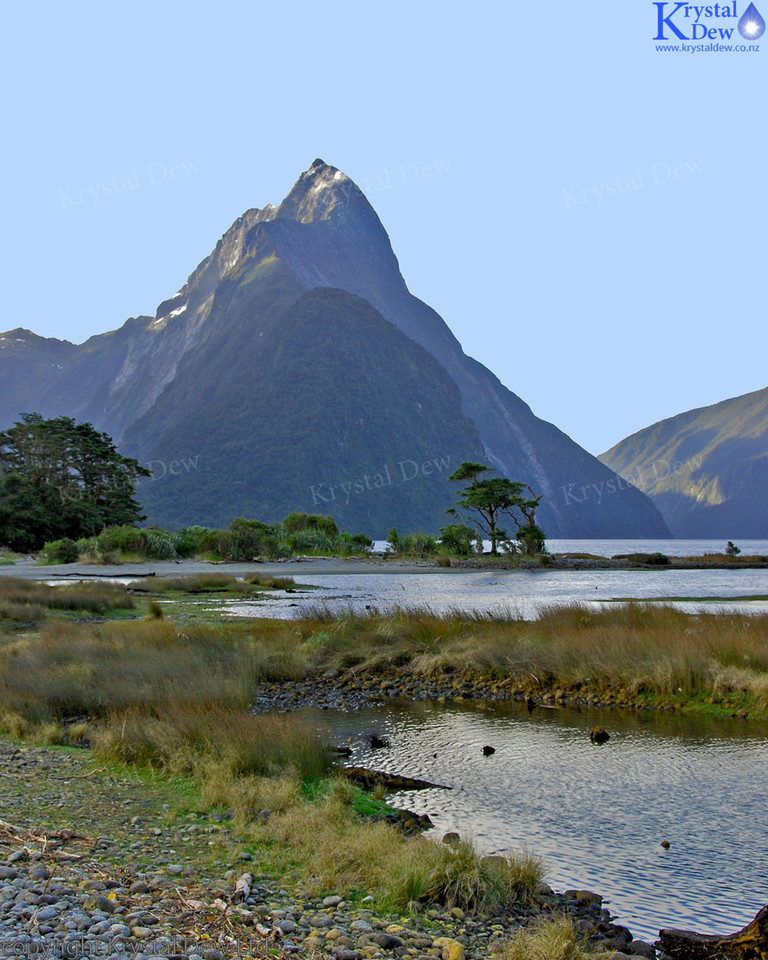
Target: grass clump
546,939
339,851
32,601
221,743
67,670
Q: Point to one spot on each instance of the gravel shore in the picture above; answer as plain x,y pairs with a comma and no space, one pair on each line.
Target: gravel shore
95,864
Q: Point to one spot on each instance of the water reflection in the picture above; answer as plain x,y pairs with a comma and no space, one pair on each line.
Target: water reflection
598,814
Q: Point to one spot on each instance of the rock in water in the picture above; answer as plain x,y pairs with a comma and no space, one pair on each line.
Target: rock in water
598,735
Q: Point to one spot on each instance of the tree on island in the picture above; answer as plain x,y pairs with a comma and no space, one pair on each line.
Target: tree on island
489,499
61,479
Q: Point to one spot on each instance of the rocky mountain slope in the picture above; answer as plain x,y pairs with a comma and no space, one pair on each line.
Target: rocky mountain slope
295,360
706,470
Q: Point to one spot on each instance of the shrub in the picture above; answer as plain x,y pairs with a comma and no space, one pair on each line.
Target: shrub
123,540
61,551
458,538
161,545
249,539
412,544
296,521
190,541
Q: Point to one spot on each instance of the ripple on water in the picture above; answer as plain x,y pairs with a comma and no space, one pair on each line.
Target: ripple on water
598,814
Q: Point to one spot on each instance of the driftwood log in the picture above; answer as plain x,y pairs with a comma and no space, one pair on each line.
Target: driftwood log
751,943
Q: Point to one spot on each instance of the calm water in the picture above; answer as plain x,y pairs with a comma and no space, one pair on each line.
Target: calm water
520,592
524,593
597,814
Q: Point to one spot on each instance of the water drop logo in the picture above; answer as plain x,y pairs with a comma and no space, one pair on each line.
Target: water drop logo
752,25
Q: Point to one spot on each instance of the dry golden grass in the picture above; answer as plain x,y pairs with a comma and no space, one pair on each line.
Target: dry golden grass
29,600
339,851
69,670
633,647
194,738
554,939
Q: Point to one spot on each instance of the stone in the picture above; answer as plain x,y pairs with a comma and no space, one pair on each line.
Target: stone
98,902
386,941
360,926
598,735
46,913
587,895
450,949
639,948
331,901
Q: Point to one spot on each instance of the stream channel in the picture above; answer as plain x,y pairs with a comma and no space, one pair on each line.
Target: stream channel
597,814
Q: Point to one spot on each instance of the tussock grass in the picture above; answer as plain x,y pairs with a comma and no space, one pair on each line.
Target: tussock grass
195,583
631,649
554,939
341,852
71,670
211,583
213,742
29,600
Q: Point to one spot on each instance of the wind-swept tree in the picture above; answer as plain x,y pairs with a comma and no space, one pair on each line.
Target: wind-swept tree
488,499
62,479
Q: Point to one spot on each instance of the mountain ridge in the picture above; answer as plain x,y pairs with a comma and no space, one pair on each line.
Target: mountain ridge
323,235
703,468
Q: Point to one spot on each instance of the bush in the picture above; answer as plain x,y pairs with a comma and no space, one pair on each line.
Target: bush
161,545
61,551
190,541
249,539
458,539
412,544
296,521
123,540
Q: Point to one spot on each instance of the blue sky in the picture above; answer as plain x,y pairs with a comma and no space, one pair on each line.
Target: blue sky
585,212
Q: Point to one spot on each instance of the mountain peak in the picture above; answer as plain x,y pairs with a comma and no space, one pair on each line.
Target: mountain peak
320,193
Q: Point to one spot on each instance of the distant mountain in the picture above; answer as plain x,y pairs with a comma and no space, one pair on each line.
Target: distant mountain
706,470
292,365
